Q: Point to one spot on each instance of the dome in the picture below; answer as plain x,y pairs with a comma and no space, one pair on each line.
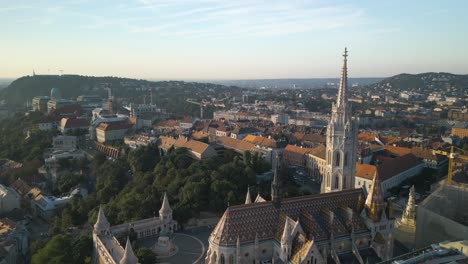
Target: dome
55,93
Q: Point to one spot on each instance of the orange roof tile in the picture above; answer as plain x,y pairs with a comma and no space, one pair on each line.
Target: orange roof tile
365,171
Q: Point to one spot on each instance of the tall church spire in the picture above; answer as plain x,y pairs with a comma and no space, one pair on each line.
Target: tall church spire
342,97
341,144
276,188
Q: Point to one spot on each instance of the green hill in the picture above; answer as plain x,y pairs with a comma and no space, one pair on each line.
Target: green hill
167,94
425,82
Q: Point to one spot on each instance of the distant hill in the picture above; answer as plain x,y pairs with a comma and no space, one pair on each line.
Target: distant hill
424,82
311,83
170,95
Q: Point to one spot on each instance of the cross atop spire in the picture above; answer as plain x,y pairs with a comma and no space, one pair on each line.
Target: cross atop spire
342,97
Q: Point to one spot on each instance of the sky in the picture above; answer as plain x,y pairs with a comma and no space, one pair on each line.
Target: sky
227,39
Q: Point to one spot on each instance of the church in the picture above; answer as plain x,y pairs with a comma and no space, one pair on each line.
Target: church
340,225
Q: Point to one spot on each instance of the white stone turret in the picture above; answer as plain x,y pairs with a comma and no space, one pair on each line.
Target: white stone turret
286,242
102,226
238,252
256,249
165,213
409,215
248,200
128,257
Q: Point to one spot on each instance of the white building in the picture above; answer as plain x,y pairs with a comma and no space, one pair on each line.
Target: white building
66,143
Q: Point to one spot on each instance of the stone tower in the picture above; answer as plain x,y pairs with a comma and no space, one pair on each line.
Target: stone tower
376,215
165,213
341,141
409,215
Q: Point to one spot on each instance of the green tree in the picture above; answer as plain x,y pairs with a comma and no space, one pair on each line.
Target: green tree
57,251
146,256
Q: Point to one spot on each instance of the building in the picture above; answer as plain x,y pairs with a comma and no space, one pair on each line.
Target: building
46,206
56,104
138,140
392,172
196,149
341,225
9,199
442,216
296,156
241,132
460,132
341,141
334,227
39,103
106,247
68,124
438,253
107,132
280,118
316,162
65,143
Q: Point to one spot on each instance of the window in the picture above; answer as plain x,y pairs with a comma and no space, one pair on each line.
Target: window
222,259
337,159
336,182
346,159
231,259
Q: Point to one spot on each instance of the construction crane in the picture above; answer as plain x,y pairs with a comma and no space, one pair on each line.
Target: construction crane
202,105
451,157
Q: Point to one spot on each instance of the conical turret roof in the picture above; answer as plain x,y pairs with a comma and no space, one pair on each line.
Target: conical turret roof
101,222
375,204
128,257
165,208
286,232
248,200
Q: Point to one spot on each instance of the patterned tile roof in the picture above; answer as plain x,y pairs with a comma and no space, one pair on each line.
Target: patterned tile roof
245,220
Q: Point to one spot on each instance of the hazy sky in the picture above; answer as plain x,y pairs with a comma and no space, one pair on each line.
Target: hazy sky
228,39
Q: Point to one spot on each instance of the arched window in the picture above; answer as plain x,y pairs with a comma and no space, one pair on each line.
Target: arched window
337,159
231,259
336,182
223,261
346,159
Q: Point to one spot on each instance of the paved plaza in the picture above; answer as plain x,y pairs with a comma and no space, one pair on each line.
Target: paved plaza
191,246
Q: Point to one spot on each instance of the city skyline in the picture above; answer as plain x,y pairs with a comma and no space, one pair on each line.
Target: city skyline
217,39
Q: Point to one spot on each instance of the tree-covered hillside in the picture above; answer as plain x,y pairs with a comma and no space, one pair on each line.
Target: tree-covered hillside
424,82
170,95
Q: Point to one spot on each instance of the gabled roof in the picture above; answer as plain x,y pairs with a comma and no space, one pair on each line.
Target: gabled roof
392,167
399,151
74,123
236,144
121,125
261,141
365,171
